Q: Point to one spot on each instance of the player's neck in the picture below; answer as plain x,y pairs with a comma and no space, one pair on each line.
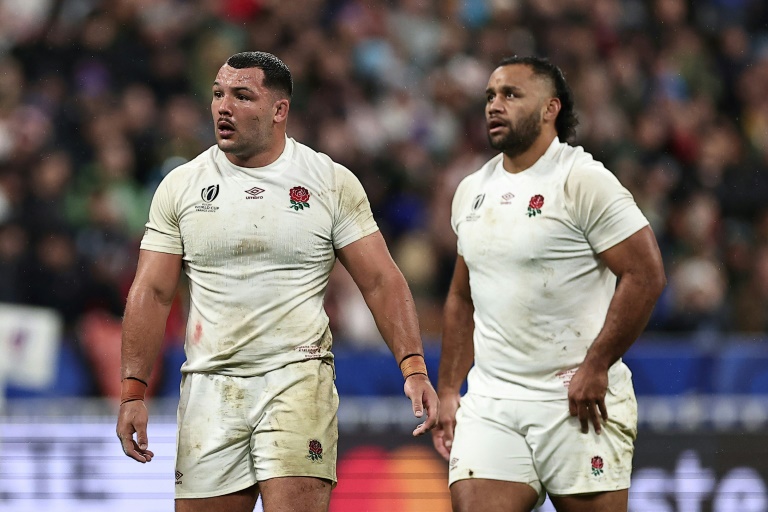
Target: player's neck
527,159
261,158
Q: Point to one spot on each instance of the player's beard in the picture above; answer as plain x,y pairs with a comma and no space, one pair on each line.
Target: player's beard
520,137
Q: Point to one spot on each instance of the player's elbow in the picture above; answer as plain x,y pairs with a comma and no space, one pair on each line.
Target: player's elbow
655,280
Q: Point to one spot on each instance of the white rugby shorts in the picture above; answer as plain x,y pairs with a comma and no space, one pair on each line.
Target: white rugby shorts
541,444
236,431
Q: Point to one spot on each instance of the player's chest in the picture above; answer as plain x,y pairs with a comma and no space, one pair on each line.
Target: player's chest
251,217
515,224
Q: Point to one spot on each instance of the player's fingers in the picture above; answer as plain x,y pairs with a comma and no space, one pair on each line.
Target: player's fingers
148,454
130,448
603,409
595,417
139,454
439,441
583,414
141,438
141,433
420,430
448,437
418,406
431,421
573,407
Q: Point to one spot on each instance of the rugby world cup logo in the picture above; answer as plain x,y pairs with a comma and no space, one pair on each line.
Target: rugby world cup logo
208,194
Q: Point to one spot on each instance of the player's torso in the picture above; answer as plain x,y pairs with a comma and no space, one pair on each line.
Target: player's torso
519,224
248,221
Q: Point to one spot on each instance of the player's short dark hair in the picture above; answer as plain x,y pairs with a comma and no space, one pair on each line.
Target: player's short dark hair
277,76
566,121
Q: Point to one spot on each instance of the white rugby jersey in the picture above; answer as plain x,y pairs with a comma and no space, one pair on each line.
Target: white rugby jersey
258,247
541,294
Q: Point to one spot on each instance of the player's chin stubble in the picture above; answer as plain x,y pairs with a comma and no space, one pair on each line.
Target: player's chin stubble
520,137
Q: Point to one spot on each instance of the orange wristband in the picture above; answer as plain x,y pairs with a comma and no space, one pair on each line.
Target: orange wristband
411,365
132,389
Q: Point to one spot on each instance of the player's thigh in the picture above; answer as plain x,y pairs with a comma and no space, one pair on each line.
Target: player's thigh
492,496
239,501
295,494
297,434
611,501
213,442
487,448
570,462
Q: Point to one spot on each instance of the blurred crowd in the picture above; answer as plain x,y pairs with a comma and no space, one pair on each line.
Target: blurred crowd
100,99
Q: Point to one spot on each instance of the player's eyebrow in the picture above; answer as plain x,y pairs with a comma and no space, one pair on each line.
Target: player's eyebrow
504,89
236,88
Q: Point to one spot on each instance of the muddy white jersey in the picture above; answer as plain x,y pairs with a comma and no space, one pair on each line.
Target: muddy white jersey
531,242
258,247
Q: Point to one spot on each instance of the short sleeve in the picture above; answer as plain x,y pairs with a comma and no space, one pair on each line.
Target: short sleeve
456,209
162,232
354,219
601,207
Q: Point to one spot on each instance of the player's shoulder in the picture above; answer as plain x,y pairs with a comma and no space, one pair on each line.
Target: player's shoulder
480,176
575,159
186,173
309,158
197,165
321,167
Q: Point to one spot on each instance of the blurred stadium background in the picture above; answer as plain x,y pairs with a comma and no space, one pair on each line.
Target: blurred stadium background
100,99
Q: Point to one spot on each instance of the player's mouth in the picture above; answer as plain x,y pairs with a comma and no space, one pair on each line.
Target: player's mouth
496,126
224,128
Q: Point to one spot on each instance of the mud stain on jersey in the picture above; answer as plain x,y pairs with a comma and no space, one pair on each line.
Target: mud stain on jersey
250,246
197,334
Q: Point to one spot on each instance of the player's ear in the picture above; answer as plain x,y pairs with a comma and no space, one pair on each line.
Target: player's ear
552,108
280,109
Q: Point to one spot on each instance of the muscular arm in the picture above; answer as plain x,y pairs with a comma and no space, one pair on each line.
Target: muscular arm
388,297
637,263
457,354
146,313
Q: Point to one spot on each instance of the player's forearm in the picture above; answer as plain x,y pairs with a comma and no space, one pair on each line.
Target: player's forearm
457,354
143,330
394,311
627,317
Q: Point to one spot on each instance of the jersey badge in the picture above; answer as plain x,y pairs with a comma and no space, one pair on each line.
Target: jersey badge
315,451
535,204
597,465
255,193
476,204
299,198
208,195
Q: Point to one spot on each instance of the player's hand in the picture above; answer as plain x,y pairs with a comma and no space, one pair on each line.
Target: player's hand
133,419
442,435
418,388
586,397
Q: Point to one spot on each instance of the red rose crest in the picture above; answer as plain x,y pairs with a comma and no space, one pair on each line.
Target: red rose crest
299,198
535,204
597,465
315,450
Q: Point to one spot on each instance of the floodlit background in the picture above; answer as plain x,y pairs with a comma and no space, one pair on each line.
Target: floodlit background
100,99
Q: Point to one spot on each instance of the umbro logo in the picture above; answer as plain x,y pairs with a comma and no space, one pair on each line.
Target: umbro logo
254,193
178,476
507,198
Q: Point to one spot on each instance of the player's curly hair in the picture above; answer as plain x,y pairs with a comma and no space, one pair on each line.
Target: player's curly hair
566,121
277,76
